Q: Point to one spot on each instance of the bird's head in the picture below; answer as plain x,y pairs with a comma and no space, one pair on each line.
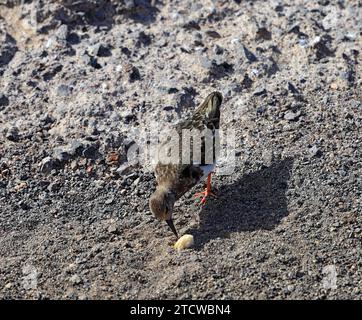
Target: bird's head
161,205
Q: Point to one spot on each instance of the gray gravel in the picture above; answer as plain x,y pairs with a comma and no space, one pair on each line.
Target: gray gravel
78,80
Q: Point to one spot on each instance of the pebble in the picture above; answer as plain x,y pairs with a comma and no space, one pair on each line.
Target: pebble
94,49
259,91
292,88
248,54
315,151
134,74
144,39
91,152
8,285
213,34
4,101
109,200
75,279
53,186
63,90
61,154
75,147
263,33
12,134
123,169
62,32
47,165
218,50
113,228
136,182
290,115
86,59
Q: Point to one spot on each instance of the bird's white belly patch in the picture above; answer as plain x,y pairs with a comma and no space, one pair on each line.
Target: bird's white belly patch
206,169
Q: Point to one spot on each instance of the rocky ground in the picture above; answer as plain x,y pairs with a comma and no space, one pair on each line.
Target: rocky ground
80,83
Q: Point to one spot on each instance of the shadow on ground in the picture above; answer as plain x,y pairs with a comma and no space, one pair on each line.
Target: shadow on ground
256,201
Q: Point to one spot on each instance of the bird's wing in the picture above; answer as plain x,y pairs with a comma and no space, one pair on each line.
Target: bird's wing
173,172
207,114
206,121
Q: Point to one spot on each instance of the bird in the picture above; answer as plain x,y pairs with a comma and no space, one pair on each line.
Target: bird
175,178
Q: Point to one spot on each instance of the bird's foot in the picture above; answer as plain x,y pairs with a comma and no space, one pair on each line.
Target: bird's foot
204,195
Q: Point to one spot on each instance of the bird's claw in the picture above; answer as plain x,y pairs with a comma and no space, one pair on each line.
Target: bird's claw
204,195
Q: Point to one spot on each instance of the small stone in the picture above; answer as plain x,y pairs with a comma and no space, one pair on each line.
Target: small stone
113,228
259,91
51,42
22,185
93,50
290,115
8,285
62,32
4,101
205,62
220,70
74,165
170,91
292,88
315,151
48,164
263,33
75,279
213,34
54,186
123,169
86,59
290,288
100,50
334,85
91,152
144,39
112,158
246,82
75,148
46,119
82,162
61,155
12,134
63,90
191,25
218,50
109,200
248,54
134,75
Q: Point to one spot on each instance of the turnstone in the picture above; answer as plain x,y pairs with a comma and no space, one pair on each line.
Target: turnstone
174,178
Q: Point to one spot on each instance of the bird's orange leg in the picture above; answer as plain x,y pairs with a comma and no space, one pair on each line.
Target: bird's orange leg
207,192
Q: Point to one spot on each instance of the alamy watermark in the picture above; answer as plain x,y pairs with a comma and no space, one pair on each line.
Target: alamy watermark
188,146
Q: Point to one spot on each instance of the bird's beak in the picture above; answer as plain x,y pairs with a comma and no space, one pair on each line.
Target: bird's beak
170,224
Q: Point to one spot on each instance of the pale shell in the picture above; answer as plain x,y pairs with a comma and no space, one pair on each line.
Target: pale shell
186,241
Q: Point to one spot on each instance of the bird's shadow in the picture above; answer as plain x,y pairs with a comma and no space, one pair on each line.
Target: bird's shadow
256,201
